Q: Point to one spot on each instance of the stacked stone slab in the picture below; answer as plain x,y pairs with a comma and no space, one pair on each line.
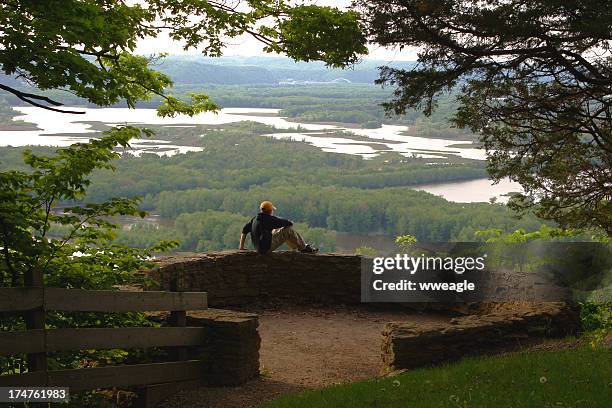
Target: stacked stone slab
232,345
511,326
241,277
233,278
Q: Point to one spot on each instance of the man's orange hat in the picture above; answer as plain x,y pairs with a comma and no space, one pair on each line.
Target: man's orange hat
267,206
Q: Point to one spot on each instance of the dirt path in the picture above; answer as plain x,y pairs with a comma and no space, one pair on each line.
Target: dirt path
306,347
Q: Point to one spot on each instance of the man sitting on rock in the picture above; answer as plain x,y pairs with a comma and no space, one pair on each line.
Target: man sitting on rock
269,232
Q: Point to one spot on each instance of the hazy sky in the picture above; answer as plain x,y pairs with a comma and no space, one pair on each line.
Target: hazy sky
248,46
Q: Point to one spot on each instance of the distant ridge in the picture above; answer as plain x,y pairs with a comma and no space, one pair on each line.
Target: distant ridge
200,70
197,69
197,73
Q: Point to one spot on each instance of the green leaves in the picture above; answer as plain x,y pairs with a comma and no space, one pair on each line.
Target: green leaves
199,103
28,213
73,246
86,46
318,33
405,242
519,236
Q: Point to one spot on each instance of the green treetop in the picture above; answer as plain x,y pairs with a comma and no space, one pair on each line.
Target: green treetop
86,46
534,78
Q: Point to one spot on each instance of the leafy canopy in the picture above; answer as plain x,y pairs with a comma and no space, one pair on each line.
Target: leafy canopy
29,210
86,46
534,78
73,246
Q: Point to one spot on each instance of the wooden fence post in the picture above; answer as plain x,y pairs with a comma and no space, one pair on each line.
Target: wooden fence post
35,319
178,319
149,396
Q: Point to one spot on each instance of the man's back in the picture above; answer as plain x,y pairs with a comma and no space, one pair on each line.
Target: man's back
261,227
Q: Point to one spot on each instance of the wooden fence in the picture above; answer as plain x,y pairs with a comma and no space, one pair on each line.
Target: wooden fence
36,341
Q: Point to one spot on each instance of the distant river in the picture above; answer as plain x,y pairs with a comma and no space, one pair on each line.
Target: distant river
57,129
472,191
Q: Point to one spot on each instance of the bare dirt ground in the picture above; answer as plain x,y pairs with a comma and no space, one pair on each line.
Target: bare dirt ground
304,347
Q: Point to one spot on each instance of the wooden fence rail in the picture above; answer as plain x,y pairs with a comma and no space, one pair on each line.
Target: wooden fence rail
20,299
35,301
80,300
112,376
40,341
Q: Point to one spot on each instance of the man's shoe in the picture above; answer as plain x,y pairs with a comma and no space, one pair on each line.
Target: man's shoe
309,249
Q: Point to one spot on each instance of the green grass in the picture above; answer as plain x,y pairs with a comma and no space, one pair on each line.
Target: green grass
568,378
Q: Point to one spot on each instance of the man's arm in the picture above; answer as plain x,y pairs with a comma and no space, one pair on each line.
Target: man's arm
245,230
280,222
242,239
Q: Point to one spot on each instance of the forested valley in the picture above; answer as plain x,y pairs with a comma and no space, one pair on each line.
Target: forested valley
204,198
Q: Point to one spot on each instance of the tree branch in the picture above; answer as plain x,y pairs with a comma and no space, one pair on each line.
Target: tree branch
27,97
